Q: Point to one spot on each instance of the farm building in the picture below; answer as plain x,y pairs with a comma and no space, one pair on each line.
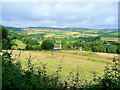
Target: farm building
79,48
58,46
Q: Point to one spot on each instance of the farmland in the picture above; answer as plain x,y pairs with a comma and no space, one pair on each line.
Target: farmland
81,60
61,33
106,35
88,62
51,45
20,44
109,39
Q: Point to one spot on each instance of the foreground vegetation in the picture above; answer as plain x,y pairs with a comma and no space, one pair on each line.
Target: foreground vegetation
39,70
88,62
14,77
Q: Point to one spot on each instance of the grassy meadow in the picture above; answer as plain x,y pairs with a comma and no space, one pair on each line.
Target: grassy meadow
20,44
109,39
88,62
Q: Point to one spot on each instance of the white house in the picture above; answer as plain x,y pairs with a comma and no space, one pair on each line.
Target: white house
58,46
80,49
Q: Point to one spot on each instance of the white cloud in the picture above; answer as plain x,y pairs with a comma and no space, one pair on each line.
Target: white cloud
83,14
110,20
60,0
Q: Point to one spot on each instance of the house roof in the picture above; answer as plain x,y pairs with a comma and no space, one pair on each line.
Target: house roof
56,46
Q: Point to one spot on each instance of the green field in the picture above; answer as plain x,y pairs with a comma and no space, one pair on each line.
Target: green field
109,39
61,35
88,62
20,44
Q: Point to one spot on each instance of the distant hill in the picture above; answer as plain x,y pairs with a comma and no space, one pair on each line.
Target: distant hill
31,31
65,29
69,29
14,29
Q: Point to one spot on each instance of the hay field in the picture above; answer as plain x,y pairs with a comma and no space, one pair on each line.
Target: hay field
109,39
88,62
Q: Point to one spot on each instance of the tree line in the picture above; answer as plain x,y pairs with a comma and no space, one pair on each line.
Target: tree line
86,43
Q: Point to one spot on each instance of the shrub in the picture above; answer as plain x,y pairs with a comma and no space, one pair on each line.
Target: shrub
29,47
37,78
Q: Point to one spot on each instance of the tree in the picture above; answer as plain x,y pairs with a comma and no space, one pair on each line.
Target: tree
118,49
4,33
30,41
29,47
78,44
96,46
69,46
6,41
111,49
47,45
36,47
64,44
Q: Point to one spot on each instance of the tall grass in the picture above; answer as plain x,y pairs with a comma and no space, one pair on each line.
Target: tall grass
14,77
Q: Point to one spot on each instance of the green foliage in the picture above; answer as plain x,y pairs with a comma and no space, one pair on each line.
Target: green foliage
29,47
118,49
75,80
64,44
111,49
11,72
6,41
98,46
37,78
111,77
14,29
90,38
4,33
15,78
9,36
87,43
47,44
36,47
30,41
69,46
33,47
14,35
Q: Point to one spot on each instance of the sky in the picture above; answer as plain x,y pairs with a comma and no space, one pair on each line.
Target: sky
97,15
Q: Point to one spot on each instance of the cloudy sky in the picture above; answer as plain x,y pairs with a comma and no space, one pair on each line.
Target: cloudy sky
60,14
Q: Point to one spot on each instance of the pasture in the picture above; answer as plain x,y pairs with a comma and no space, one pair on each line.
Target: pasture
109,39
49,35
88,62
20,44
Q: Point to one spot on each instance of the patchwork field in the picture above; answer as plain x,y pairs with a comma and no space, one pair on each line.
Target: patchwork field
34,33
109,39
49,35
43,30
72,33
19,44
91,34
106,35
88,62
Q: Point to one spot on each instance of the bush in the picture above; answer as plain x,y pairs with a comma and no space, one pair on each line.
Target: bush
47,45
111,78
36,47
29,47
37,78
16,78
